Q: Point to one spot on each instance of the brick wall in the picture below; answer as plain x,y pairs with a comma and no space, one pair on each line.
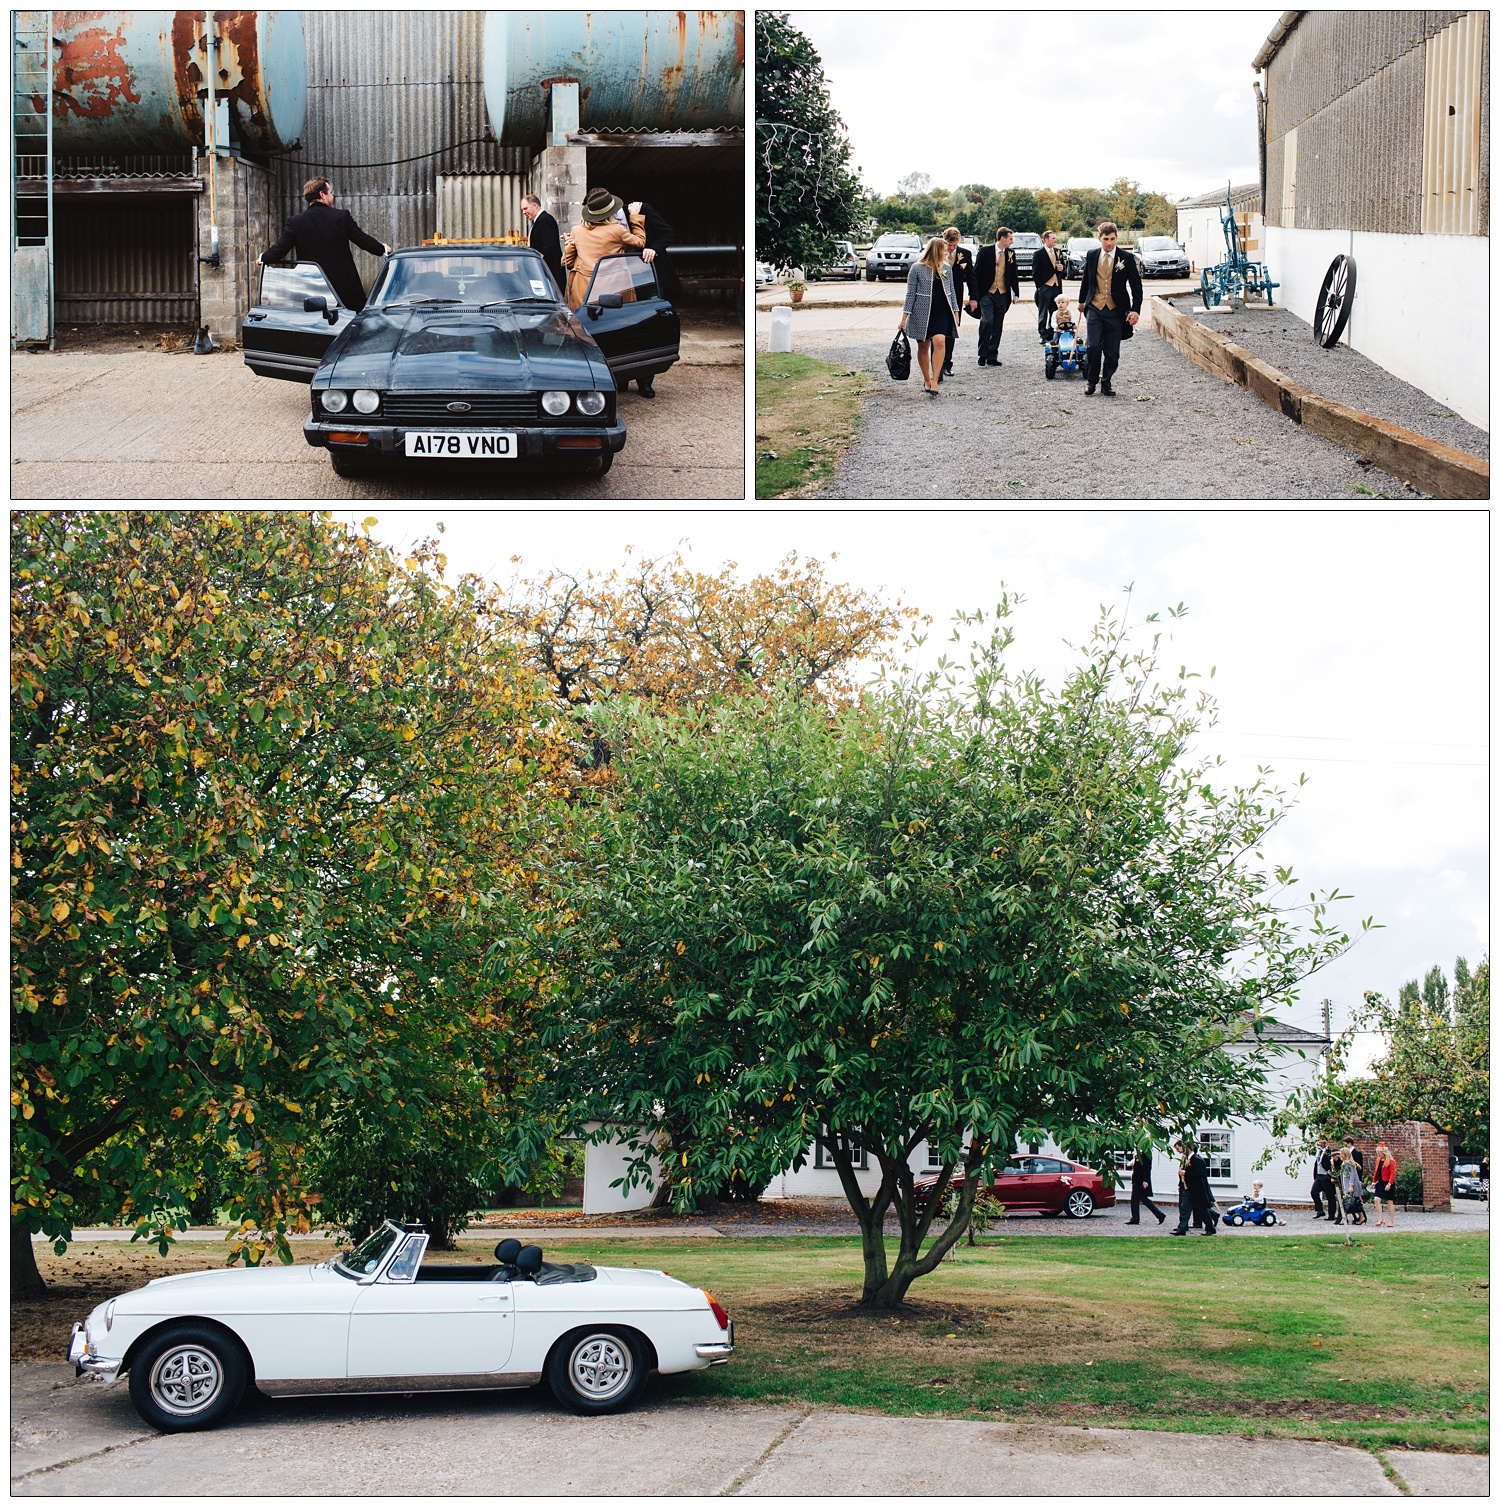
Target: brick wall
1414,1142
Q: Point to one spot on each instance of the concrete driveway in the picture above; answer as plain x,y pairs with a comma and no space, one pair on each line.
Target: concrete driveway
82,1438
117,423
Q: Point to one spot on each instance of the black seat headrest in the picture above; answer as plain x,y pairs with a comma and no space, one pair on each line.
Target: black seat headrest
507,1251
529,1262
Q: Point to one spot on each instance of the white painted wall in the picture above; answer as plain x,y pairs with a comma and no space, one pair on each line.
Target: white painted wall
1201,234
603,1164
1421,305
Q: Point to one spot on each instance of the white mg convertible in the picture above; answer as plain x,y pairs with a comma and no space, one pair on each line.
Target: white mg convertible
376,1320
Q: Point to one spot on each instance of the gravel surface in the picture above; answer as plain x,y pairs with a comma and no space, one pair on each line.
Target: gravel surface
1173,431
1346,376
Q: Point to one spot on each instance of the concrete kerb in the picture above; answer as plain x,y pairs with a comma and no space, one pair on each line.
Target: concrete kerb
1441,469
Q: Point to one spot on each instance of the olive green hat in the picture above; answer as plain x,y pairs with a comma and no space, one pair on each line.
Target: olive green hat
600,207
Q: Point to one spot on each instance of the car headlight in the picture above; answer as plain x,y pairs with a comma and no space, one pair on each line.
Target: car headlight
588,402
555,402
335,401
366,401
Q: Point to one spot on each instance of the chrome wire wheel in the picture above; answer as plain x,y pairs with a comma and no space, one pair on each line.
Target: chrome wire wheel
600,1367
186,1379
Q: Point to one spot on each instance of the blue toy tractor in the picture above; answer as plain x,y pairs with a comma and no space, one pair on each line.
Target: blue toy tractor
1246,1212
1064,352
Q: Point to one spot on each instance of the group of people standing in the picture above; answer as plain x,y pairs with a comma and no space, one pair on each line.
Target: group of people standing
1339,1184
945,280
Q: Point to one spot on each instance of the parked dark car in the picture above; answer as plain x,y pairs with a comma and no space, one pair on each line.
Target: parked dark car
1079,247
1467,1182
463,354
1050,1184
892,256
1025,244
1161,256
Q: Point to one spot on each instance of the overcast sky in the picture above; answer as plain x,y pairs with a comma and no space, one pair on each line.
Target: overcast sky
1350,646
1054,99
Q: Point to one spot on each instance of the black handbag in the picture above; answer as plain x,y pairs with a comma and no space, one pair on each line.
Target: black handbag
898,358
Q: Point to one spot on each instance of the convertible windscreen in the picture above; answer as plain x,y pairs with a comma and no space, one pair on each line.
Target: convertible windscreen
367,1256
465,280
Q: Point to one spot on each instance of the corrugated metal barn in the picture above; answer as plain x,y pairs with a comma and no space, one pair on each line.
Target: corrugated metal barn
1375,146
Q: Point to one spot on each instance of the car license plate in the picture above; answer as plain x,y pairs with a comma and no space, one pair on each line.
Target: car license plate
461,445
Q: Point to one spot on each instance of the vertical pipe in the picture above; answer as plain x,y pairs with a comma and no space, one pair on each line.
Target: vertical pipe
210,58
51,228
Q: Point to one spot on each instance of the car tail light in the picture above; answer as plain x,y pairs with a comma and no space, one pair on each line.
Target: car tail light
718,1311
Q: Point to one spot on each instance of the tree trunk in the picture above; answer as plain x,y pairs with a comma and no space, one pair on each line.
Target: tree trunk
25,1279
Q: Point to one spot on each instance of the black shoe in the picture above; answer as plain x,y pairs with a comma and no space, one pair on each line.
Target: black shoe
1161,1219
1209,1232
983,362
1107,390
948,370
1179,1232
1088,391
1132,1221
647,389
1317,1216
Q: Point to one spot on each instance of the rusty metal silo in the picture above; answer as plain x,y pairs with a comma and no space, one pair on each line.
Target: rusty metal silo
129,81
662,70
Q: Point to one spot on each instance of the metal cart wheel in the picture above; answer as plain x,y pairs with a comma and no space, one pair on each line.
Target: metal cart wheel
1334,298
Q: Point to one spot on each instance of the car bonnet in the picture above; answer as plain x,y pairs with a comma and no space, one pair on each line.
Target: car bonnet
441,348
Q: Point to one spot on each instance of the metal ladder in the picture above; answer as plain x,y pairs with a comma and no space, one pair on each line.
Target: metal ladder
32,248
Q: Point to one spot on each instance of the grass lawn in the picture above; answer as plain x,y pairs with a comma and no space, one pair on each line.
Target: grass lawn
805,415
1382,1343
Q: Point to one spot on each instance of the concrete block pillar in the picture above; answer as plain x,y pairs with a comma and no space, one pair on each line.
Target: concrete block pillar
561,172
241,196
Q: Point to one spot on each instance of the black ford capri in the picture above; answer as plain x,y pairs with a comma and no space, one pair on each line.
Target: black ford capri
463,353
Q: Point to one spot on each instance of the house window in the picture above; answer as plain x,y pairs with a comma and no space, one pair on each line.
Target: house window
1123,1161
934,1156
821,1158
1216,1147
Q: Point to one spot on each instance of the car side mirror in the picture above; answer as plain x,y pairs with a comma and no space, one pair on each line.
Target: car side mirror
610,301
320,306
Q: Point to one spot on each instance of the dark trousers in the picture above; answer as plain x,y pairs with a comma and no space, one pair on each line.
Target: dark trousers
1204,1210
958,319
1136,1200
1046,301
1185,1211
1104,327
1322,1188
992,307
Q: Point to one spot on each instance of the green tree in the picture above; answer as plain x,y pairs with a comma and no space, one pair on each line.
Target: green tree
806,193
1435,1066
959,913
1018,208
268,787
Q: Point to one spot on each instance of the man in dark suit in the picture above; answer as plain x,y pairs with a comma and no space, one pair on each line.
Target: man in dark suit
648,221
995,285
961,264
1046,278
1195,1175
1111,301
1140,1185
322,234
545,238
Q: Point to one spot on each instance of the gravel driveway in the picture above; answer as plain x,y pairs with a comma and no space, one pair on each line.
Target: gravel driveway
1174,431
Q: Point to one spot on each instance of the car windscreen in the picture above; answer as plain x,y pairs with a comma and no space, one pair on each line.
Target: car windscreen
451,277
899,240
367,1255
1156,243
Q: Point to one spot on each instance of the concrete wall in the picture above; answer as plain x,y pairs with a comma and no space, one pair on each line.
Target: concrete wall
1421,305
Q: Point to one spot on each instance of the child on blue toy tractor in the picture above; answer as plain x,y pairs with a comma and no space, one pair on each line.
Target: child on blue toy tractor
1065,347
1251,1210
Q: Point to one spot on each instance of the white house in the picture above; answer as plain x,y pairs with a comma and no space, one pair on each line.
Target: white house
1233,1149
1375,146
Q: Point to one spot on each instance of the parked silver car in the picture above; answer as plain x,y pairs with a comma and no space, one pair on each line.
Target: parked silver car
892,255
1161,256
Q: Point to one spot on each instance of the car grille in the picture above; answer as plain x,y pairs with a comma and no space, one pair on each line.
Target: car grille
484,408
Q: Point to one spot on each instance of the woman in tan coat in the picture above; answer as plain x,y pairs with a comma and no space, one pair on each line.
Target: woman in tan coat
601,234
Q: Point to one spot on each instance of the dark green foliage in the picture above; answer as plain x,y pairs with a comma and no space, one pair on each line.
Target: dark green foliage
806,193
1409,1183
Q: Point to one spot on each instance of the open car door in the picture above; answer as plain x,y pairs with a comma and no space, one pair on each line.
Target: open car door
635,327
289,330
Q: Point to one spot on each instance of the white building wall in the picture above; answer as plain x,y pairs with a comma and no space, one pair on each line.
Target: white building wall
1421,305
604,1163
1200,232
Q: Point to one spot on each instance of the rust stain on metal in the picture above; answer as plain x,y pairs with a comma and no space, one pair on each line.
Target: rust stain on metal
237,77
91,80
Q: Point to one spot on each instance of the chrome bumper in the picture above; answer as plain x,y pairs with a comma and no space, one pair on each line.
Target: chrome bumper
719,1352
84,1362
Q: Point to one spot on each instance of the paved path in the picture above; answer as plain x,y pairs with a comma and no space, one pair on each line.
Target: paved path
82,1438
832,1219
1174,432
121,423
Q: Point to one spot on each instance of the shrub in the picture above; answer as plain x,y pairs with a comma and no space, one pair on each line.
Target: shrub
1409,1183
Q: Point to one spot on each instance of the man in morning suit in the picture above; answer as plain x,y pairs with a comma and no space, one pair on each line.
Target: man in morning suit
1111,299
545,238
962,265
322,234
995,285
1046,278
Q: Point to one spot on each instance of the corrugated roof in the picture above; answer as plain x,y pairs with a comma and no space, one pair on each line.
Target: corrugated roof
1243,196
